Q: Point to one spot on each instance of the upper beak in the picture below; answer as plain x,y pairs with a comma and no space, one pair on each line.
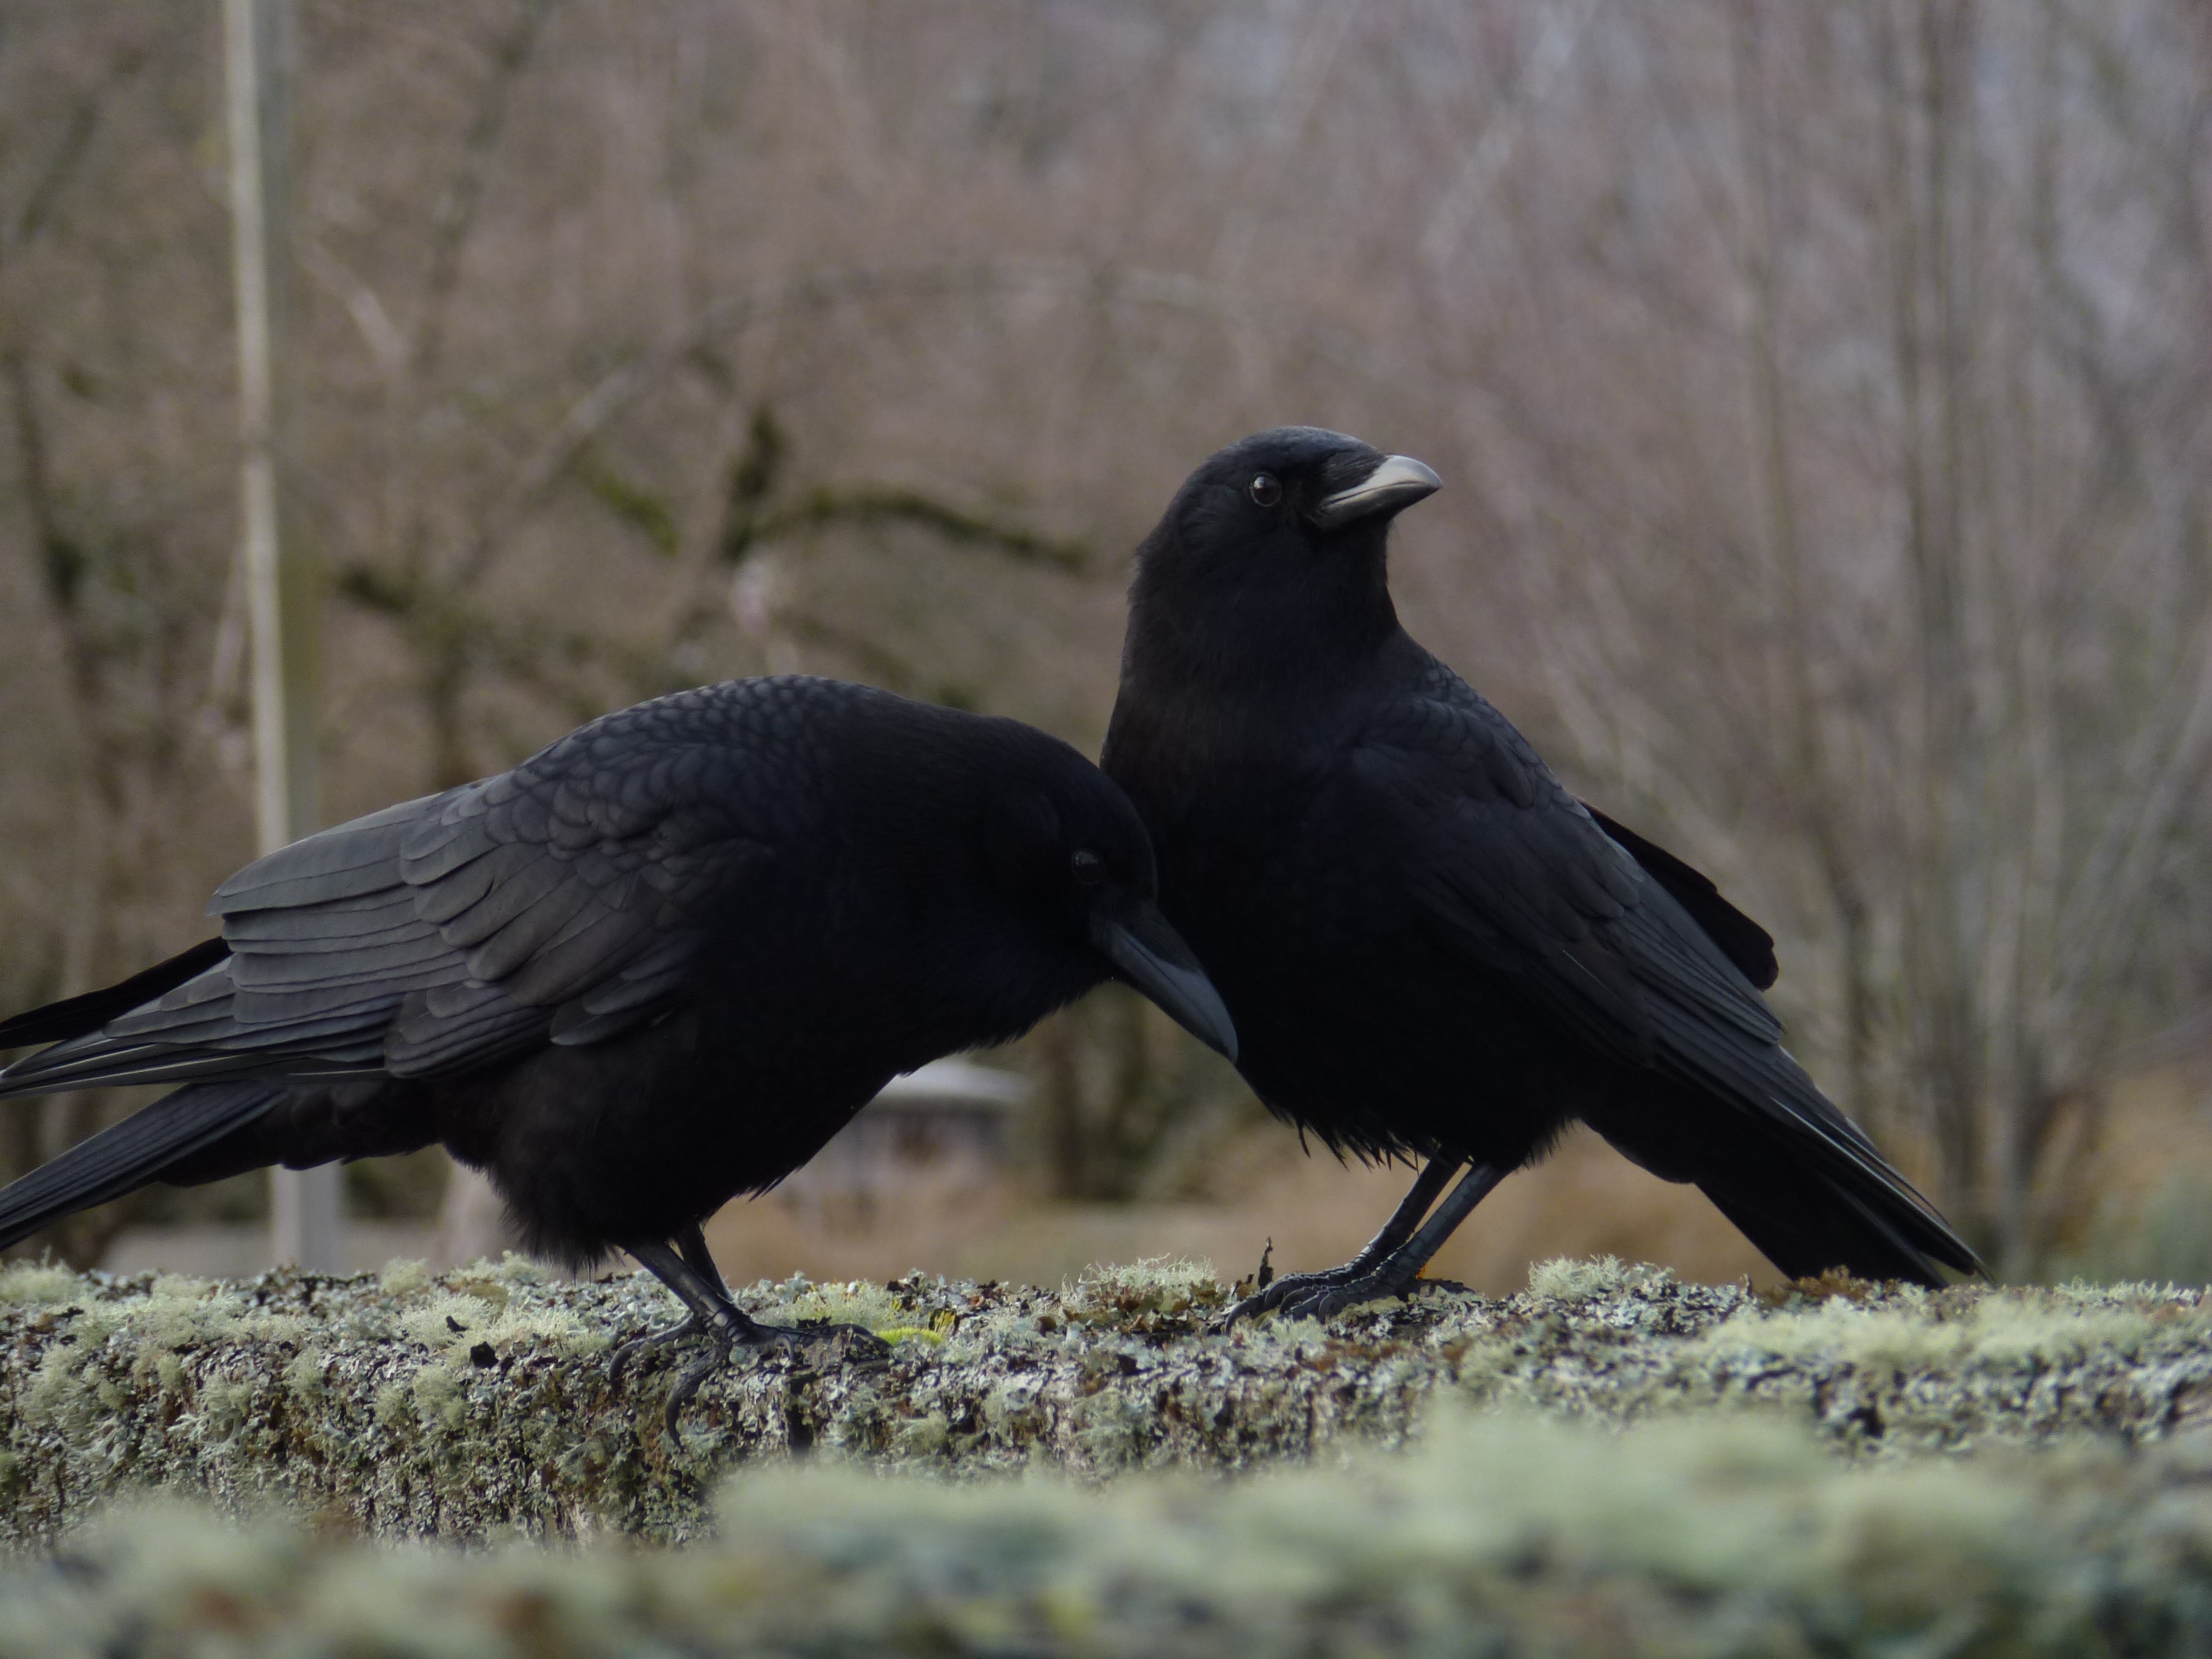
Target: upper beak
1152,956
1394,485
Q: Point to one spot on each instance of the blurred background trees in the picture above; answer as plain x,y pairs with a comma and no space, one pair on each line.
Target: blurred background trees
1821,391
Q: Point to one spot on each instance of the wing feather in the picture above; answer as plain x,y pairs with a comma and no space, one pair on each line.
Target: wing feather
1522,880
1517,877
571,893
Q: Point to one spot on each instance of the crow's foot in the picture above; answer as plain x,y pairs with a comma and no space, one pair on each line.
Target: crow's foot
1325,1302
653,1341
698,1372
684,1266
852,1343
1296,1288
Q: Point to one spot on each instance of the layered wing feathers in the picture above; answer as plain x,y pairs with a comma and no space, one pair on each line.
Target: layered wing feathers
564,900
1518,879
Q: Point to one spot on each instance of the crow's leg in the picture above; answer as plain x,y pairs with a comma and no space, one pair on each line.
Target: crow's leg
711,1313
1395,1231
859,1342
1395,1273
688,1271
692,1246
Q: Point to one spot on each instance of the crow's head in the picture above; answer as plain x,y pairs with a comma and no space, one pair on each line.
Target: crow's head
1068,850
1275,544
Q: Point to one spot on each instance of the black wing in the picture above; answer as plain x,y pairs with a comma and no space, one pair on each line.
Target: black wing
1742,940
562,902
1518,879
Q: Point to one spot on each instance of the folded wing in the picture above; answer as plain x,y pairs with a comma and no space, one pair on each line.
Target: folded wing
562,902
1518,879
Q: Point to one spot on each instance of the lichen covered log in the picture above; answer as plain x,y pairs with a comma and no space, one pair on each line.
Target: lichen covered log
1694,1535
478,1403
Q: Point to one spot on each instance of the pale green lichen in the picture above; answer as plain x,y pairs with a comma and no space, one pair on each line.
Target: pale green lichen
438,1397
459,1326
855,1302
1994,1332
359,1398
1154,1283
1505,1534
404,1276
37,1284
1570,1279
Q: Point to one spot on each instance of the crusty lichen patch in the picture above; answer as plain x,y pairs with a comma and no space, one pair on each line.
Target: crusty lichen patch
472,1403
1505,1534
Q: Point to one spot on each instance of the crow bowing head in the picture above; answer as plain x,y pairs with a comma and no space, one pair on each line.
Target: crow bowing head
1069,851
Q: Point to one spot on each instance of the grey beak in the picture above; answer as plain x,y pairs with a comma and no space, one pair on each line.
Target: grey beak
1151,956
1392,487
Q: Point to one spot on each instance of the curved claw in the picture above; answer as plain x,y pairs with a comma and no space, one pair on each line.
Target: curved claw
1290,1285
687,1384
859,1343
1325,1302
638,1346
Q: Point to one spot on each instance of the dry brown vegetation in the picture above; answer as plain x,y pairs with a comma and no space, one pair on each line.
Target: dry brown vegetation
1821,391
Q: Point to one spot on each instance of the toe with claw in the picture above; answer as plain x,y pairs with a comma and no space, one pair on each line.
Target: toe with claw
1392,1261
679,1396
1291,1287
652,1342
684,1266
1325,1302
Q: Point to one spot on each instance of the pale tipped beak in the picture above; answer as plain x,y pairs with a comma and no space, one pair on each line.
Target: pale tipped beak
1394,485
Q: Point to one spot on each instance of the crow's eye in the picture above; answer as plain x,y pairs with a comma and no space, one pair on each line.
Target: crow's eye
1265,490
1089,869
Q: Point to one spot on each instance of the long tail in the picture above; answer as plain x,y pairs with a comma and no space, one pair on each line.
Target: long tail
1803,1184
1808,1214
76,1017
126,1156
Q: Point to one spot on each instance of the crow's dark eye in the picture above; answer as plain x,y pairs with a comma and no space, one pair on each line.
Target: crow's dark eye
1089,869
1265,490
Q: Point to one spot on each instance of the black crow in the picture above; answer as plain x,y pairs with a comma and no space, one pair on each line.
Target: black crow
657,964
1430,949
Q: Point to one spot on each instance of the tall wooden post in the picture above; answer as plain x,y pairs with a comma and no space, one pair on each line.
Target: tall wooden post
284,582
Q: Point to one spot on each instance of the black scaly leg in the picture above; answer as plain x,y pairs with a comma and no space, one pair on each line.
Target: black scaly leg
688,1271
691,1245
1395,1231
1395,1274
710,1312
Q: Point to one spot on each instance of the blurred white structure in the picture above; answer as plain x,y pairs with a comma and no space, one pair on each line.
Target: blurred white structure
939,1130
931,1137
282,583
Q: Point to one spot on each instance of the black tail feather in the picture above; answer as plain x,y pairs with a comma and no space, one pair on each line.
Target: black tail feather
1802,1184
76,1017
1809,1215
126,1156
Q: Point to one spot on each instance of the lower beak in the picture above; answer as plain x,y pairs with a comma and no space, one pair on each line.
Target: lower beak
1396,483
1151,955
